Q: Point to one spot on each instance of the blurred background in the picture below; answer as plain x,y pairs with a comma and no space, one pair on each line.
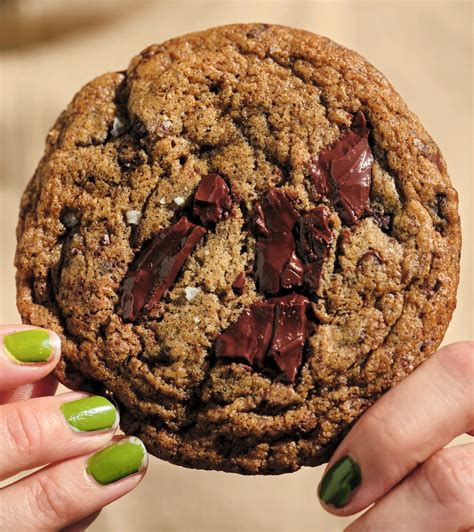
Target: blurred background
50,48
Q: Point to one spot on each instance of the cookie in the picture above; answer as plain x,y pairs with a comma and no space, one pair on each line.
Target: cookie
246,237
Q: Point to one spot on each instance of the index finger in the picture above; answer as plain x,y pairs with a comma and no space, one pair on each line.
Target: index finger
403,429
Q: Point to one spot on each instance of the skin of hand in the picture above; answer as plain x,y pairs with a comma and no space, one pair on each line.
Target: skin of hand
84,466
394,458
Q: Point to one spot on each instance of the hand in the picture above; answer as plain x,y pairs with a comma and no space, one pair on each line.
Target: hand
66,432
394,456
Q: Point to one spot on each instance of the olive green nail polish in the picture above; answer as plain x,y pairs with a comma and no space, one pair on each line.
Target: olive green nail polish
33,345
340,481
90,413
117,461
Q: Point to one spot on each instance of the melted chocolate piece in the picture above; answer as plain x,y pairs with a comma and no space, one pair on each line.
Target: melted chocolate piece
260,228
433,156
249,337
212,201
315,237
277,265
277,328
156,267
239,284
368,255
383,220
432,291
290,331
342,171
293,274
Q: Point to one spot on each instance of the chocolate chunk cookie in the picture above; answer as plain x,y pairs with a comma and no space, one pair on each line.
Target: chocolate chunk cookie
246,237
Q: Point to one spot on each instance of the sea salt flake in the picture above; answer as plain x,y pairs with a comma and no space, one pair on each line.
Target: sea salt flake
162,201
191,292
179,200
197,319
133,217
165,127
118,127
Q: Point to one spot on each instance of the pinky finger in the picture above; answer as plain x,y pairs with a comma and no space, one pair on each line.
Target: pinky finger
437,496
65,493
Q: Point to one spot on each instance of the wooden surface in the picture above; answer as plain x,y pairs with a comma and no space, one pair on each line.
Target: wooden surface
424,48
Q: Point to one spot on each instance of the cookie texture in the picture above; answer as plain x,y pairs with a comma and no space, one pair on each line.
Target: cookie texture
263,111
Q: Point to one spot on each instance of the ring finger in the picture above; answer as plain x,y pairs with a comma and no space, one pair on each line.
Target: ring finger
48,429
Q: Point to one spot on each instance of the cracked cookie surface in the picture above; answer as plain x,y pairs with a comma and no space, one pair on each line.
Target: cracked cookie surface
256,105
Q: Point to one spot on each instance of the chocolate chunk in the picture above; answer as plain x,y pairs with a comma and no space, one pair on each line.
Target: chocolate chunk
320,176
239,284
432,291
277,266
315,237
440,206
156,266
293,273
372,253
104,240
438,160
260,228
290,331
212,200
342,171
276,329
249,337
130,157
384,221
432,155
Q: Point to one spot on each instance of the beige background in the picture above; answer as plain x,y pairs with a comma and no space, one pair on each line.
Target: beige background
50,48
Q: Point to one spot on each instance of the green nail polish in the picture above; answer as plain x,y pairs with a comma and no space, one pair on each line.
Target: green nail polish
117,461
90,413
340,481
33,345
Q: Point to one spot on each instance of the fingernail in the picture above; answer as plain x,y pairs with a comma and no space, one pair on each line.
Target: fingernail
119,460
340,481
90,413
32,345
